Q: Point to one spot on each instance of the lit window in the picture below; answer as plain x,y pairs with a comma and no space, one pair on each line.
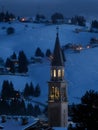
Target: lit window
59,73
62,72
52,91
57,94
54,73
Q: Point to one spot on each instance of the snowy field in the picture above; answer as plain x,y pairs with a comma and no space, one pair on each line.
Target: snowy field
81,69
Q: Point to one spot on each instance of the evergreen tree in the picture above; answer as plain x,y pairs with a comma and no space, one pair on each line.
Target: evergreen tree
14,107
26,91
11,89
10,65
31,87
94,24
13,56
7,90
85,115
78,20
57,16
39,17
30,109
37,91
37,110
4,107
22,108
38,52
48,53
23,62
2,16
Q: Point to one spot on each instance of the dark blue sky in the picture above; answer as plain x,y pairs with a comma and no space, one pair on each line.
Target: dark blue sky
87,8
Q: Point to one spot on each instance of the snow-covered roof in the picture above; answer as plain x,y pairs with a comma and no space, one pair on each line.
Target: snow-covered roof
14,123
59,128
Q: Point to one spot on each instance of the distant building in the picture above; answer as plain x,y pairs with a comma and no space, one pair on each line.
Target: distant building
57,96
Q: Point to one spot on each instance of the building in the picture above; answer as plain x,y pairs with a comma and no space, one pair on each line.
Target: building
57,95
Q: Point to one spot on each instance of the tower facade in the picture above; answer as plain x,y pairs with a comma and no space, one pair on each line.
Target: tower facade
57,92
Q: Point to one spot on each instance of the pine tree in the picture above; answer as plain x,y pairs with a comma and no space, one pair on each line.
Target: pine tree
22,108
31,87
37,110
4,107
48,53
39,53
13,56
85,115
7,90
23,62
26,91
10,65
30,109
37,91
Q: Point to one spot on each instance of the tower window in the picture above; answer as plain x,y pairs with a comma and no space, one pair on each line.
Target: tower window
52,92
59,73
62,72
54,73
57,94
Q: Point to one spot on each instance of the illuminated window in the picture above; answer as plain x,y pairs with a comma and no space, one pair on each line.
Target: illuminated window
59,73
52,91
54,73
62,72
57,93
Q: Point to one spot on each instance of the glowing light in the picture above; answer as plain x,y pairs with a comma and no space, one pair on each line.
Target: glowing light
59,73
88,46
54,73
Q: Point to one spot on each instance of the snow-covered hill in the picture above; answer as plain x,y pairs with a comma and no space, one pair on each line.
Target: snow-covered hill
81,69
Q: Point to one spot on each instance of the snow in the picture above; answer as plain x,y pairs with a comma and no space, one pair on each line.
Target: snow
13,124
59,128
82,73
81,69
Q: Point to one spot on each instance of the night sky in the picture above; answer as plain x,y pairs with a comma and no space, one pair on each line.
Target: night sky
88,8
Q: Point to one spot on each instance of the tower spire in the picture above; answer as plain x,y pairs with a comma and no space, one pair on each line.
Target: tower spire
58,59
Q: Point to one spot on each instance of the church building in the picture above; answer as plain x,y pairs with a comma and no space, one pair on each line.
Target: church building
57,92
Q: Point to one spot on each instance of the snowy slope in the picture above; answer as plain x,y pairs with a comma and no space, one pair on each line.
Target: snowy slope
81,69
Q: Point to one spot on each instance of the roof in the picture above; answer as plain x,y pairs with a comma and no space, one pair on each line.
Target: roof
58,56
59,128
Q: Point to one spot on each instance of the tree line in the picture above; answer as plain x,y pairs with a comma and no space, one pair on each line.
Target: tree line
18,107
55,18
8,91
20,63
6,16
14,100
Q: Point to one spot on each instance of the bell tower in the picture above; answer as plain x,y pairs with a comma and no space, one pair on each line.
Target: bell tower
57,92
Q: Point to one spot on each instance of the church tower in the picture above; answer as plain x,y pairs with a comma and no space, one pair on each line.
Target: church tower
57,92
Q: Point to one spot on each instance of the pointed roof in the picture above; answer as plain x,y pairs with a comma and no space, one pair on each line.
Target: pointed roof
58,57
